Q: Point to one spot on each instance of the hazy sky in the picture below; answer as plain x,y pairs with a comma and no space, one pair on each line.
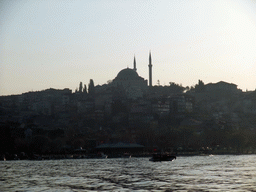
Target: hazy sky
58,43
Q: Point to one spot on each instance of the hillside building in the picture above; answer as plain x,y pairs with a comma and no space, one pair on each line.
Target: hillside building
133,84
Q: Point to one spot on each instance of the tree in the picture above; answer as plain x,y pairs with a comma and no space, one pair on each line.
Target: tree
175,88
200,87
85,89
91,90
80,87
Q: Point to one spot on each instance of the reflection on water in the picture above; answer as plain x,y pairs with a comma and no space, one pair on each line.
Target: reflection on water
198,173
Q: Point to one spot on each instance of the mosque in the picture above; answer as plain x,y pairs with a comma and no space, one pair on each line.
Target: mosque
133,84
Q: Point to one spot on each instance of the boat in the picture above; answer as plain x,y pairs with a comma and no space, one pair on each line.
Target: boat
162,157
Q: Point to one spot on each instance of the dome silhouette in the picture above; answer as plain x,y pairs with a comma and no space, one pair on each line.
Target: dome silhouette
127,74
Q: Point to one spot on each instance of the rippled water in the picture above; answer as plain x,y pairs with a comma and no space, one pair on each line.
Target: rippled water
197,173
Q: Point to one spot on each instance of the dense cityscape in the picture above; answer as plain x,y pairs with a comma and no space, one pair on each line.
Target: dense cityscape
129,115
128,95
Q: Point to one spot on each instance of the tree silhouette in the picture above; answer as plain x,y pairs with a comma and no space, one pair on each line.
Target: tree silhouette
200,87
85,89
80,87
175,88
91,90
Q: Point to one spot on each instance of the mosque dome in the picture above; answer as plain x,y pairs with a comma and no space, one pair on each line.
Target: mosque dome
127,73
131,82
128,78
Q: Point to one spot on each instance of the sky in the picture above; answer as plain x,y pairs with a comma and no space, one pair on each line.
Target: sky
60,43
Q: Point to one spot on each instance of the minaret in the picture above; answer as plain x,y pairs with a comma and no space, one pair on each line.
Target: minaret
150,70
134,64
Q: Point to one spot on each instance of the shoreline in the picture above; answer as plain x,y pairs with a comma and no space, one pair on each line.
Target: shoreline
14,157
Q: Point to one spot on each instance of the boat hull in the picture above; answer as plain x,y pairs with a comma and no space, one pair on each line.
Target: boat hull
162,158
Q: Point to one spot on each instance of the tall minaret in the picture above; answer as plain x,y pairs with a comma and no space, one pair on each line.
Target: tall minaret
150,70
134,64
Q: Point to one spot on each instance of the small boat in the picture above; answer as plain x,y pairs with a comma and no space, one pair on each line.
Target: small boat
162,157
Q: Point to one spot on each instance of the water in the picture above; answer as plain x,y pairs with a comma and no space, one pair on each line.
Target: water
197,173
